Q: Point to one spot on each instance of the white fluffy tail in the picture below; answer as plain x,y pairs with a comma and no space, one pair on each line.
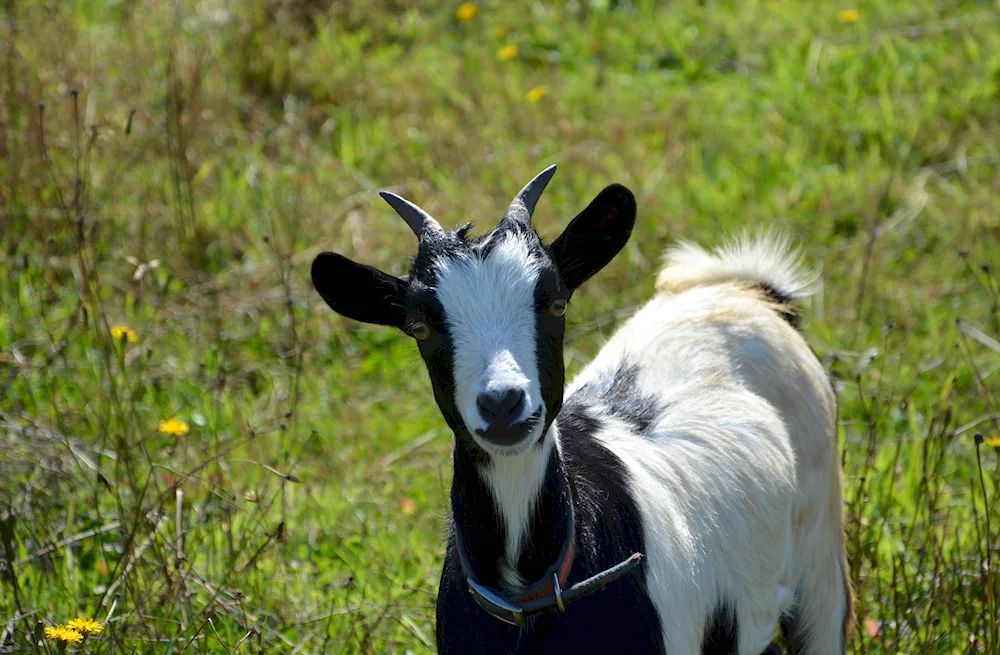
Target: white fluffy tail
766,262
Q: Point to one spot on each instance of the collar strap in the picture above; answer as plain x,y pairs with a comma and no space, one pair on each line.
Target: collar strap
515,613
549,591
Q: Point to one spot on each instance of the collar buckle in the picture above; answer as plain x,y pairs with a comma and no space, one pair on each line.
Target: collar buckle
558,592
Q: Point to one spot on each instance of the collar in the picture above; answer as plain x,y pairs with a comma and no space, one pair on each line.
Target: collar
547,592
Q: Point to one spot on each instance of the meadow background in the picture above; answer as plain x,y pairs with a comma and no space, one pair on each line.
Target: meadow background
196,452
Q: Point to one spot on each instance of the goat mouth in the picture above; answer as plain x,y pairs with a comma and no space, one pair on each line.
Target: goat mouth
512,434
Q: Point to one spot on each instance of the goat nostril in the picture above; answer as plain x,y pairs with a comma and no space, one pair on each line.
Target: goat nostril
511,404
506,406
488,406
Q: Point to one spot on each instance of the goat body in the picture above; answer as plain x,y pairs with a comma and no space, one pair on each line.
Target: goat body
702,435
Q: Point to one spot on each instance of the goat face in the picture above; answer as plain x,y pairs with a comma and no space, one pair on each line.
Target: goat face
487,313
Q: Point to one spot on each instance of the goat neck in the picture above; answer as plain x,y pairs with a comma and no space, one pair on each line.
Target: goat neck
512,513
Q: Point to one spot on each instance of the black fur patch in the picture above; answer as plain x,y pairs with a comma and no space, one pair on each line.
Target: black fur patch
547,527
722,632
549,331
575,419
475,513
787,310
618,394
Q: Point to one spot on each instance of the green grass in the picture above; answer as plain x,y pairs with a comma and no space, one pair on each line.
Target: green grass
231,142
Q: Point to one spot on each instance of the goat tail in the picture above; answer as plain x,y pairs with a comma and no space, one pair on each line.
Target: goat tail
766,262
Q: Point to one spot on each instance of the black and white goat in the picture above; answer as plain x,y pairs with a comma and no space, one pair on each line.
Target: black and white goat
702,437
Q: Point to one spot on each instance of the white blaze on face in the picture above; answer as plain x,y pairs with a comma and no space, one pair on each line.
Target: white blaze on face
489,307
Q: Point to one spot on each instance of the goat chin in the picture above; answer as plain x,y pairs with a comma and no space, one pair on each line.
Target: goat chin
511,450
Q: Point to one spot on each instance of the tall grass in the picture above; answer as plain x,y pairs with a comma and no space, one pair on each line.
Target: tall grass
174,167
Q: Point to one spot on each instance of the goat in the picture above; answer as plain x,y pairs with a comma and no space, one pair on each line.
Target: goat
682,495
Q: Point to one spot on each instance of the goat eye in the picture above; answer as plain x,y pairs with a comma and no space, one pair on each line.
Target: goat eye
558,307
420,330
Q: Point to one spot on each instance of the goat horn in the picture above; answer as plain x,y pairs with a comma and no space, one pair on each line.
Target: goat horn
419,221
523,205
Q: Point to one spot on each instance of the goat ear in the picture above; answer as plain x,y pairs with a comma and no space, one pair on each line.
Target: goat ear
359,292
595,236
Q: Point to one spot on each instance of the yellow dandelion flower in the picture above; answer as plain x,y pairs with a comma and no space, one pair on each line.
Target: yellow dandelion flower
536,94
466,11
71,636
85,625
174,427
124,333
849,16
63,633
993,442
507,52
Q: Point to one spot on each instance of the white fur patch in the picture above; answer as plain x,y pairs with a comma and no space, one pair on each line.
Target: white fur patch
516,482
489,307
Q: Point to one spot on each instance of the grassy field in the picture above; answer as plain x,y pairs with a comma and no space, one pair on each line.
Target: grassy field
173,167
